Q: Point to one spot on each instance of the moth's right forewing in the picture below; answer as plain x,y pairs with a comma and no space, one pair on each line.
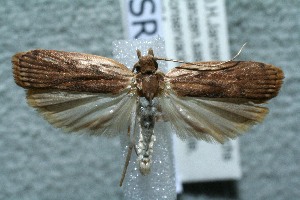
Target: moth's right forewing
50,69
236,79
220,103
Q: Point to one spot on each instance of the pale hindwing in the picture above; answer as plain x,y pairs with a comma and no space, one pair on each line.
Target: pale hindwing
93,113
210,118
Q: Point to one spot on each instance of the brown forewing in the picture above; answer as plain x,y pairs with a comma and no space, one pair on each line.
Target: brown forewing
70,71
240,79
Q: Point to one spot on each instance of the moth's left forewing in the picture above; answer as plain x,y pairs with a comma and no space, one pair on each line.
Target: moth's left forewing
219,104
76,91
69,71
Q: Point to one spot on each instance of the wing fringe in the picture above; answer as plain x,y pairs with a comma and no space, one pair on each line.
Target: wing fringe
211,119
96,114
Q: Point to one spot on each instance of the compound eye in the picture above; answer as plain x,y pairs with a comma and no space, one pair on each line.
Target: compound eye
137,67
155,64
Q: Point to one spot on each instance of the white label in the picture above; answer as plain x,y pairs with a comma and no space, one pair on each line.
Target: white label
142,18
194,31
197,31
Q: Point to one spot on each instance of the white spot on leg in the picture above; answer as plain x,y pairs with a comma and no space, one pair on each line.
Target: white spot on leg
145,165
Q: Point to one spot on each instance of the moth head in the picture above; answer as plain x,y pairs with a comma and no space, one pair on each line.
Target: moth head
146,64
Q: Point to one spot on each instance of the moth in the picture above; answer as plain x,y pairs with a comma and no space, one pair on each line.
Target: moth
211,101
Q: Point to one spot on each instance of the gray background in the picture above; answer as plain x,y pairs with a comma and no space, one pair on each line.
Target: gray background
37,161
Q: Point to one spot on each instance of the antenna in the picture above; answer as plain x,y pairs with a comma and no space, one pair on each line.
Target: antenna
203,66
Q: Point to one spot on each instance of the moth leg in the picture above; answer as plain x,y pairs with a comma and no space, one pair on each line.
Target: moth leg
126,162
128,156
132,135
135,149
132,141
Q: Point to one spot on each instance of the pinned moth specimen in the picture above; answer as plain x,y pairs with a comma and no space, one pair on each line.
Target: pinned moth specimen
211,101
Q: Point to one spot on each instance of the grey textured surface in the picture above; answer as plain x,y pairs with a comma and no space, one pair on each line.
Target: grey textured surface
271,152
38,162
